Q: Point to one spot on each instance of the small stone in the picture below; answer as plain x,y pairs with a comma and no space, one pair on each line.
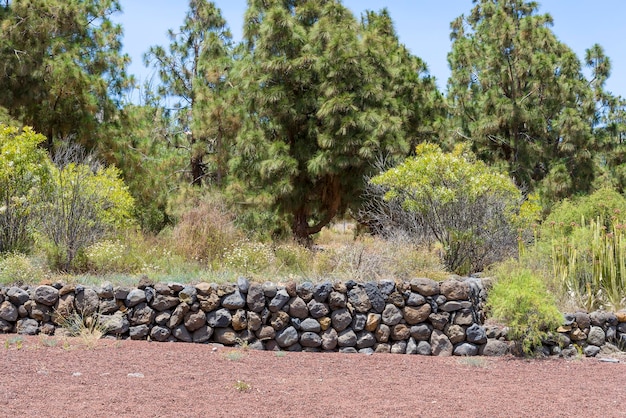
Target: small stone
266,333
386,287
396,299
87,302
495,348
359,300
454,289
465,349
400,332
310,339
291,289
415,299
464,317
421,332
108,307
209,303
337,300
415,315
348,350
8,311
391,315
310,325
398,347
325,322
329,339
382,333
255,298
346,338
621,316
226,336
476,334
135,297
321,291
177,317
163,302
46,295
358,322
591,350
582,320
243,284
17,296
305,291
195,320
424,286
139,332
598,318
254,321
202,334
376,297
298,308
159,333
373,320
317,309
219,319
365,339
116,324
382,348
455,305
439,320
233,300
225,289
424,348
596,336
440,344
278,301
162,318
280,320
239,320
27,326
411,346
578,335
142,314
455,333
164,289
287,337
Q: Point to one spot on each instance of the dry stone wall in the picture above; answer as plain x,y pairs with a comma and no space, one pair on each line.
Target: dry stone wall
420,316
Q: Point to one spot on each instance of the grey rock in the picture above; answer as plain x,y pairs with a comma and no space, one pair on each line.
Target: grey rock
341,319
160,333
329,339
5,326
391,315
598,318
465,349
346,338
87,302
310,325
202,334
278,301
440,299
367,351
255,298
310,339
359,300
476,334
108,306
298,308
591,350
162,318
46,295
415,299
376,297
226,336
596,336
621,327
568,319
254,321
455,305
243,284
611,333
411,346
27,326
17,296
233,300
582,319
337,300
40,312
163,302
177,317
386,287
464,317
305,291
439,320
348,350
269,289
317,309
115,324
321,291
359,321
569,352
139,332
440,344
365,339
396,299
280,320
219,319
135,297
287,337
195,320
398,347
421,332
188,295
150,294
424,286
8,311
141,314
424,348
454,289
382,348
105,291
495,348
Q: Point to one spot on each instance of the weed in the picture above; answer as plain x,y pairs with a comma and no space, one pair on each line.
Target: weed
89,328
16,340
243,344
48,342
478,362
233,355
280,354
242,386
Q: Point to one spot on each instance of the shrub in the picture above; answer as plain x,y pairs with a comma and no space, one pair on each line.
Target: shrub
468,207
249,257
23,171
17,268
86,203
520,299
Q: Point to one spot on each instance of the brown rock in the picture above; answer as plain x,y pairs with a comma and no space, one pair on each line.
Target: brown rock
373,320
424,286
325,322
415,315
454,289
240,321
400,332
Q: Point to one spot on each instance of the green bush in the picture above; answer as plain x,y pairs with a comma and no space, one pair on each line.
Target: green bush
23,171
467,206
520,299
17,268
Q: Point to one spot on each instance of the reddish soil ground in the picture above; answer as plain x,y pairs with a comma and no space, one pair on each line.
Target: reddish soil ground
53,377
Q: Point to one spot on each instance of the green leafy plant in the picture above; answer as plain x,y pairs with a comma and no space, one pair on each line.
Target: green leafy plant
17,268
520,299
234,355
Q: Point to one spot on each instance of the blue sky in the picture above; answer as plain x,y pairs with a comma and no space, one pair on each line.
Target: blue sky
422,25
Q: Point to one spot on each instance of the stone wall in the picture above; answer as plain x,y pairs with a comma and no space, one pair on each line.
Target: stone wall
418,317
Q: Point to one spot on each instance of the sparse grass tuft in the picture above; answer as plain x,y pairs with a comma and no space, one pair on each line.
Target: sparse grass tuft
89,328
242,386
234,355
477,361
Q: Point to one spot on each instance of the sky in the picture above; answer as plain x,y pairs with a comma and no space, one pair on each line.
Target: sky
422,25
